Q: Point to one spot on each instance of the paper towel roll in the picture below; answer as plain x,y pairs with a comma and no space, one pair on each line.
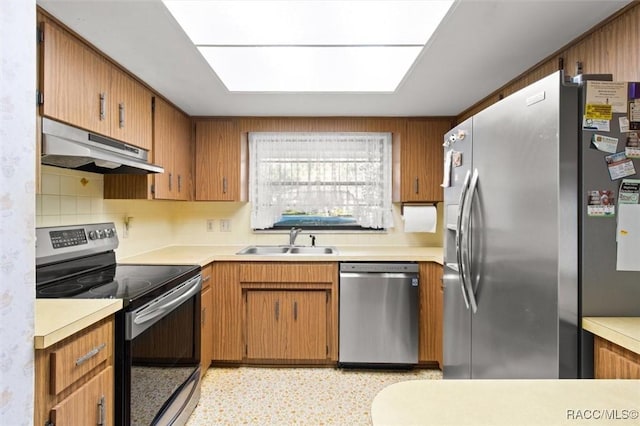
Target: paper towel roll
420,218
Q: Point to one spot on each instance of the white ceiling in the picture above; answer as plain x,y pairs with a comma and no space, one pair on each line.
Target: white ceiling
480,46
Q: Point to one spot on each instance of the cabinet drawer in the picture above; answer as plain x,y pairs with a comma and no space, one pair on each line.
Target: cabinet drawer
91,404
73,360
288,272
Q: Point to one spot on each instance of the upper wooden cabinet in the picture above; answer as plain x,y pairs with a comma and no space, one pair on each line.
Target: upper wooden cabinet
82,88
421,160
171,150
220,160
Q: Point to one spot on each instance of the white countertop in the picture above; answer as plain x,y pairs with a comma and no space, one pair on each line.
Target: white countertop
623,331
508,402
203,255
57,319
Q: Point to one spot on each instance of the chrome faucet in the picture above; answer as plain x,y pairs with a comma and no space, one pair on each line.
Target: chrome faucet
293,233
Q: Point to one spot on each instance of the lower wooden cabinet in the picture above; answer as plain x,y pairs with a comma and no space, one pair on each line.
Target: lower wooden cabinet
75,379
227,313
431,311
285,324
612,361
206,321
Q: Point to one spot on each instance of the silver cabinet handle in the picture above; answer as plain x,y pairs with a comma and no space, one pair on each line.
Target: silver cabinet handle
277,310
93,352
459,236
179,183
204,316
224,185
121,115
101,411
415,185
102,106
170,179
295,311
207,278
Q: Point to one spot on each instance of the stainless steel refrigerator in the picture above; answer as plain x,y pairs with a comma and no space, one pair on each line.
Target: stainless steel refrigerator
523,262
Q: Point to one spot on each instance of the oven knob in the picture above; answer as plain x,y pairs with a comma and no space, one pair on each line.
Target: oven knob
107,233
99,234
92,235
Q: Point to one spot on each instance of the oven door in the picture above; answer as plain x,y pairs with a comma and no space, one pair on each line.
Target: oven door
161,370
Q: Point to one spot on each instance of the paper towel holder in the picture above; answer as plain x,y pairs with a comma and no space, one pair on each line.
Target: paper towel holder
434,204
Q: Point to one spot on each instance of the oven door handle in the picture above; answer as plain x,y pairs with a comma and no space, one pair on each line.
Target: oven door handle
155,310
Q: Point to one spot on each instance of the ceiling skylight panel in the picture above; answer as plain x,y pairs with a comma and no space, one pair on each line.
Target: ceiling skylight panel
308,22
311,45
310,69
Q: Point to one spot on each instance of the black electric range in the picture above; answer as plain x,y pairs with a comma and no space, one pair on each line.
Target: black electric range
79,262
157,333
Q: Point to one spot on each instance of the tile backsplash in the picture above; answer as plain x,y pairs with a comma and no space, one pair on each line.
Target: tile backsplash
70,197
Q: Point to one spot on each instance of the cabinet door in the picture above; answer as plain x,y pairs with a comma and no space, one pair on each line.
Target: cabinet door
307,325
227,312
218,160
130,111
62,66
286,324
422,160
163,150
431,311
182,156
91,404
206,342
96,93
266,335
612,361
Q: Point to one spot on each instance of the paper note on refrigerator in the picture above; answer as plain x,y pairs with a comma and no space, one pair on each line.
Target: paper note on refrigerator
446,178
628,238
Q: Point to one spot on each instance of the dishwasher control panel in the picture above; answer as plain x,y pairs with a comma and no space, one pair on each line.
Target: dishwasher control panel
378,267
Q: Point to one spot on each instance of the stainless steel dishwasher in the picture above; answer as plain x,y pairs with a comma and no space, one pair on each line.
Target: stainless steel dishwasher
378,323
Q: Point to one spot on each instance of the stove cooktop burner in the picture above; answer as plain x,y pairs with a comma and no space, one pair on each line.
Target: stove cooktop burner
127,282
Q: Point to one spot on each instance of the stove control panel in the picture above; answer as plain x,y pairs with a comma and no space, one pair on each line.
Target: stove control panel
66,242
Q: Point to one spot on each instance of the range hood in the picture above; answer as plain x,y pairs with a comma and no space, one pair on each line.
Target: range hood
73,148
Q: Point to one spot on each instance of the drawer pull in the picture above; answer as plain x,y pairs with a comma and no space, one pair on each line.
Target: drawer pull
93,352
101,411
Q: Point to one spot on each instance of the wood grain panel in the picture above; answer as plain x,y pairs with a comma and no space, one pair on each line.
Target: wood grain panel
206,330
422,159
266,337
135,99
289,272
96,77
612,361
164,150
431,311
218,161
81,407
612,47
127,187
62,58
68,363
227,312
44,399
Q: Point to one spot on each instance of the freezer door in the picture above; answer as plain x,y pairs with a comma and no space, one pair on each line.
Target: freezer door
456,328
516,218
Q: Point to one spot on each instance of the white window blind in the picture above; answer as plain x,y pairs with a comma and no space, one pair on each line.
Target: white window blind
332,177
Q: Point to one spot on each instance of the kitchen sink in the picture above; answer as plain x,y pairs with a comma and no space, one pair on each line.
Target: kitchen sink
287,250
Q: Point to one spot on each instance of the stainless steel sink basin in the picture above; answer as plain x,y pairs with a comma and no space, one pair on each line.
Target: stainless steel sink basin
312,250
286,250
264,250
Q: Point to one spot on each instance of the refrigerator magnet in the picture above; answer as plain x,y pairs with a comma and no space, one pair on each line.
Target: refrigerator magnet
600,203
632,148
595,124
629,192
604,143
456,159
619,166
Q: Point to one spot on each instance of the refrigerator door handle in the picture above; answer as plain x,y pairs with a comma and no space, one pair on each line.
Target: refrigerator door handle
466,239
459,236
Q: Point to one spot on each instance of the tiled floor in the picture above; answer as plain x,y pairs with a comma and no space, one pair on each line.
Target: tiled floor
293,396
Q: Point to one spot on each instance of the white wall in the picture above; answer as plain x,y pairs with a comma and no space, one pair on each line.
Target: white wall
17,184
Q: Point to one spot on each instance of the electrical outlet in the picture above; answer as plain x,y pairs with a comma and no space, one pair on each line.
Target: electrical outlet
210,225
225,225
